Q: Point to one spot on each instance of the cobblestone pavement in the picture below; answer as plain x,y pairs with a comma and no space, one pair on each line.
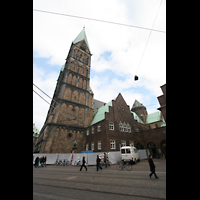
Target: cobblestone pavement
67,182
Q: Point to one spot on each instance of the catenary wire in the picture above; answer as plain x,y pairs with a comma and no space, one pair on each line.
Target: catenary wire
121,24
55,107
54,101
148,37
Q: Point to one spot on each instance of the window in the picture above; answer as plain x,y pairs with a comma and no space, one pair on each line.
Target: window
129,128
99,145
123,143
131,143
125,128
87,132
93,130
123,151
111,126
99,128
92,145
86,147
121,126
128,151
112,144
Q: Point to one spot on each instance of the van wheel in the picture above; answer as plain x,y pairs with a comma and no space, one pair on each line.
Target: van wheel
135,161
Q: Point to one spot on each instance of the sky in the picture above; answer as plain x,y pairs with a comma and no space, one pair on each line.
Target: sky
116,50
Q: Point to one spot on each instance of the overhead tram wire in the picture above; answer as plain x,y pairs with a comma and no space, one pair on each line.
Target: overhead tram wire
55,102
55,107
149,37
98,20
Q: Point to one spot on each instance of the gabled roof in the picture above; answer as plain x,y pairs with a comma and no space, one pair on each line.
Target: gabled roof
99,114
155,117
97,104
80,37
137,118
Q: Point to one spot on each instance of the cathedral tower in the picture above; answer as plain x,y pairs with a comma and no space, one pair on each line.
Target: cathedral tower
71,109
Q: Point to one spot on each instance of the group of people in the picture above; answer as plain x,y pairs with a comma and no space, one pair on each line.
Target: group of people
98,162
40,161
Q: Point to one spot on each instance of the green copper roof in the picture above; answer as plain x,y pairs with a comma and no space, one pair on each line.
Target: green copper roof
35,130
137,118
99,114
80,37
153,117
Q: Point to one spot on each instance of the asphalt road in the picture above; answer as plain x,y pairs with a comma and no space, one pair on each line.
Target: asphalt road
67,182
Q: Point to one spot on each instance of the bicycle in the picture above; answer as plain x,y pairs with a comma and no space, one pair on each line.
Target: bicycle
58,162
66,162
78,162
121,165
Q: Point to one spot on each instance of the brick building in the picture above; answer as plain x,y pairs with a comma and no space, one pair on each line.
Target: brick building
75,116
115,125
162,101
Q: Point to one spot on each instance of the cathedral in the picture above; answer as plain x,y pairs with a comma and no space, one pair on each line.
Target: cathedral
76,121
71,109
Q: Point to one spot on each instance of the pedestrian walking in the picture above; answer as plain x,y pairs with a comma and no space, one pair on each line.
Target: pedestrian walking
152,167
83,164
45,161
42,161
36,162
98,163
105,160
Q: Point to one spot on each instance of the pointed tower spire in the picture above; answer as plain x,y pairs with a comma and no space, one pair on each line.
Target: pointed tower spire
140,110
80,37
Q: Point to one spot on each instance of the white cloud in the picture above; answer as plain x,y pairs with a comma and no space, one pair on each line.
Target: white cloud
53,35
47,83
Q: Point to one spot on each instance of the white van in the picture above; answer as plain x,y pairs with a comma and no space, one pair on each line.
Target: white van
129,154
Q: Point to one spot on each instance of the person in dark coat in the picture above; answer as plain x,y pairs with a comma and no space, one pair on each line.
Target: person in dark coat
36,162
83,164
105,160
152,167
45,161
98,163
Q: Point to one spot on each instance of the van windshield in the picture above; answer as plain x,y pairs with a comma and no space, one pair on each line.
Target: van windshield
123,151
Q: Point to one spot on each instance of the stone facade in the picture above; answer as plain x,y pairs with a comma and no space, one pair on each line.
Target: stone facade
71,109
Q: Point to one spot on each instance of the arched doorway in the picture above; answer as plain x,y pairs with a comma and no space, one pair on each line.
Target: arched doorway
163,147
153,150
139,146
